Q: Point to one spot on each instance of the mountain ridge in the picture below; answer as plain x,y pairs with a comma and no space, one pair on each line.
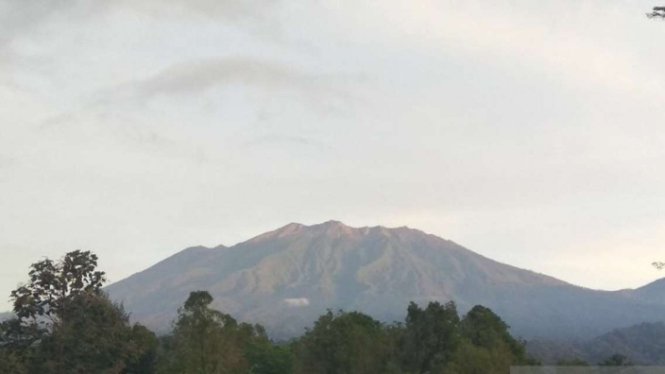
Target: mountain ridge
286,277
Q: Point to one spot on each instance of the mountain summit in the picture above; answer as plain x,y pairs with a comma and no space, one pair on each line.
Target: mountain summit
285,278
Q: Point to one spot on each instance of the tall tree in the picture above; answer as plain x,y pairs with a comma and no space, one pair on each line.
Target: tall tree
52,284
487,346
65,323
344,343
430,338
208,341
94,337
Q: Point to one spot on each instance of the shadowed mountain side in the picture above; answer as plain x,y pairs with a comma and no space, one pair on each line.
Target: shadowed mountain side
653,292
284,279
644,344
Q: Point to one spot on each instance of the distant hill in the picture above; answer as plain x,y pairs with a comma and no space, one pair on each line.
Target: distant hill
653,292
5,316
644,344
284,279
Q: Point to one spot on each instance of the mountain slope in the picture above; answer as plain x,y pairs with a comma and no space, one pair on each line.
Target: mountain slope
285,278
653,292
644,344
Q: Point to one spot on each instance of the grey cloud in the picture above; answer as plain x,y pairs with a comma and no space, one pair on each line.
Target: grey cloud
201,75
326,94
323,94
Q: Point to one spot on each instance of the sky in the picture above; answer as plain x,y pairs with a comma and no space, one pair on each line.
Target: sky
527,131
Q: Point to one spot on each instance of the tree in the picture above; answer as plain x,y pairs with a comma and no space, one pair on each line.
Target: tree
487,346
430,338
94,337
65,323
208,341
53,283
485,329
617,360
265,357
13,356
658,11
344,343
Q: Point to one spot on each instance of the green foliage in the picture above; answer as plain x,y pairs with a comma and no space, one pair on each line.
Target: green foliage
485,329
52,283
265,357
344,343
617,360
208,341
94,336
66,324
572,362
13,356
430,337
487,346
473,359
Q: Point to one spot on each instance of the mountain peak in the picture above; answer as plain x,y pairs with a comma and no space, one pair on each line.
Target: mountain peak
335,228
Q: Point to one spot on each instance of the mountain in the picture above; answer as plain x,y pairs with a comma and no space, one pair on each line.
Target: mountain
644,344
284,279
653,292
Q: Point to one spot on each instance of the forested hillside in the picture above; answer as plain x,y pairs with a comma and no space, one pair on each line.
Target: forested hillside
644,344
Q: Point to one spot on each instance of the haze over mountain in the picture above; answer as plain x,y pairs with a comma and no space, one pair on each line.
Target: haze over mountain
284,279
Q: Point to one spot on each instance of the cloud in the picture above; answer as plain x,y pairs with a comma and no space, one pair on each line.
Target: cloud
326,94
297,303
200,75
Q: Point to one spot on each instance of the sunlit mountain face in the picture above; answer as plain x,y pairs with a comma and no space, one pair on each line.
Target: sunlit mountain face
285,278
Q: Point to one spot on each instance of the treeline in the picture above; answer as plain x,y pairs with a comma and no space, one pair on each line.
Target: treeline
65,324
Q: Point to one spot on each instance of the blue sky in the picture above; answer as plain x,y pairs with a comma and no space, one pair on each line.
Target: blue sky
529,132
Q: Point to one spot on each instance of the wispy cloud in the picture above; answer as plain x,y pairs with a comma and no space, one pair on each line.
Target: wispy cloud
194,76
327,94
